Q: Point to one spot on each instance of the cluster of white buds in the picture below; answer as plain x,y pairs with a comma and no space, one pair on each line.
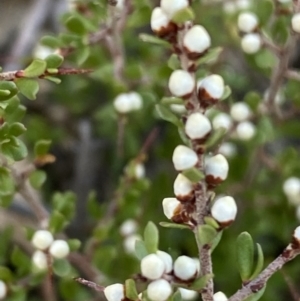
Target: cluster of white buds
128,102
43,241
220,296
153,267
224,210
128,230
251,41
3,290
296,23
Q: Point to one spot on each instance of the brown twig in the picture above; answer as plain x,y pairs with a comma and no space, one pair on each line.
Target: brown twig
90,284
258,283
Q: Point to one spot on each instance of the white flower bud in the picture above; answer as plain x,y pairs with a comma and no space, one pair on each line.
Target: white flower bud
197,126
185,268
251,43
120,4
187,294
139,171
224,210
123,103
247,22
3,289
184,158
129,243
222,120
39,260
291,186
181,83
41,51
216,169
42,239
183,188
196,41
128,227
159,290
59,249
245,130
170,207
210,89
152,266
228,149
167,259
240,111
171,7
297,234
136,101
296,22
115,292
159,20
220,296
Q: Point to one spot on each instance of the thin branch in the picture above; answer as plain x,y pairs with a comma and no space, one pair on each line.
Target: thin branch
292,74
90,284
258,283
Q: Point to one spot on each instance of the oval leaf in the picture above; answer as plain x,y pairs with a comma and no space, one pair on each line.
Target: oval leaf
245,252
206,234
201,282
259,263
130,290
140,249
151,237
35,69
28,87
165,114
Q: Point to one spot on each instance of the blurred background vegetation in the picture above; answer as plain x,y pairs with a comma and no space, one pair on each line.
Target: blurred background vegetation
93,144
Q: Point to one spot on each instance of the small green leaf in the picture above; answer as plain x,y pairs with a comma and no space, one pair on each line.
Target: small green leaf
62,267
227,93
185,14
173,225
35,69
216,241
37,178
7,185
28,87
211,221
5,274
130,290
206,234
140,249
177,296
50,41
74,244
53,79
259,263
14,148
172,100
8,89
54,60
16,129
75,25
151,237
201,282
153,40
257,295
165,114
173,62
57,222
42,147
193,174
215,138
211,56
245,252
